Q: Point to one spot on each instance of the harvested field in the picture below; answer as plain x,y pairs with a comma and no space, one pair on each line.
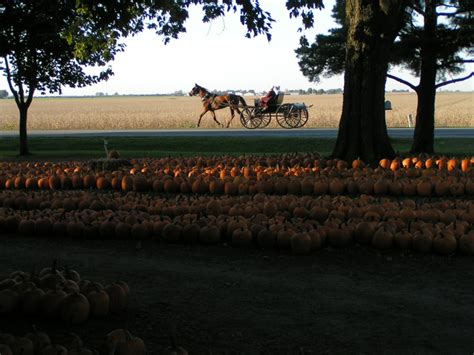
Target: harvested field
162,112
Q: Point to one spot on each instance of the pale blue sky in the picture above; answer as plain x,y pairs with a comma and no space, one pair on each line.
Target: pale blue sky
218,57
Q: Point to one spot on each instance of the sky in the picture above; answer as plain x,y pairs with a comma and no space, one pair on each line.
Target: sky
218,56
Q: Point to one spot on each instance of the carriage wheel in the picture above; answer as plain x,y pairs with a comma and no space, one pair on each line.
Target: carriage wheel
248,119
265,120
294,118
281,114
304,115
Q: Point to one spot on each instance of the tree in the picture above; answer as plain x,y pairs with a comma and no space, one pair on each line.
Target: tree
3,94
432,51
360,47
45,44
371,29
428,52
40,53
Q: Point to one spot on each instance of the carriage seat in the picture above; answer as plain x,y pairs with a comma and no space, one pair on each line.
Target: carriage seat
279,99
274,102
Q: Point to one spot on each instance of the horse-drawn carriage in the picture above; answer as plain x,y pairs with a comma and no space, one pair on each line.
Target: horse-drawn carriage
290,115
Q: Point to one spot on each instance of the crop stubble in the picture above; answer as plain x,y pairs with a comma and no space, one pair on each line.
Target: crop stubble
168,112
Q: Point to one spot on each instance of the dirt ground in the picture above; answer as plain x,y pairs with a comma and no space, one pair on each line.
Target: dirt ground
225,300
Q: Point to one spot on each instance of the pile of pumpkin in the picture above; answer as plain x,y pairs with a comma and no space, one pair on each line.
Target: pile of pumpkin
299,223
303,174
117,342
60,294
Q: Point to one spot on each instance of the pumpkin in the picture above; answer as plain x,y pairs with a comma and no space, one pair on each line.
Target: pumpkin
424,187
140,231
113,338
50,303
403,240
103,183
466,243
53,349
118,297
266,238
31,301
445,243
422,241
139,183
339,237
130,346
381,187
358,164
190,233
301,243
209,235
54,182
284,238
385,163
382,239
364,232
39,339
171,233
336,187
75,308
69,340
241,237
99,302
23,346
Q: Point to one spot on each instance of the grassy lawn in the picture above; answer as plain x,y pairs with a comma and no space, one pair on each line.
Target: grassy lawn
70,148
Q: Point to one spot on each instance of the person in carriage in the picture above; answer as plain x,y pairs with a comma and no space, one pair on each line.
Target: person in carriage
265,101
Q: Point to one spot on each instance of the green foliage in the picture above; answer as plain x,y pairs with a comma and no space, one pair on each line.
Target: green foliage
39,54
3,94
326,55
454,37
454,40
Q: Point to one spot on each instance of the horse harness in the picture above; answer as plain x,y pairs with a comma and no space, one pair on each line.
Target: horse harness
210,99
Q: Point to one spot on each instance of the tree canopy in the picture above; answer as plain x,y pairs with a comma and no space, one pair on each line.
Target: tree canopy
45,45
435,41
453,44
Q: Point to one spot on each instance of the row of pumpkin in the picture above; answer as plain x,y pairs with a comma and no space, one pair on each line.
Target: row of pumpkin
302,224
425,185
252,162
36,342
61,294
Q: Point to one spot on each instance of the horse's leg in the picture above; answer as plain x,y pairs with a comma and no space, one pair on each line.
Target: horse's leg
232,114
215,118
200,117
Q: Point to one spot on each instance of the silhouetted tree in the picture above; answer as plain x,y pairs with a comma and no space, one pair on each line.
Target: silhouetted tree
429,51
45,45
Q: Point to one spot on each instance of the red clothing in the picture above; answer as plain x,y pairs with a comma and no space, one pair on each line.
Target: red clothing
265,100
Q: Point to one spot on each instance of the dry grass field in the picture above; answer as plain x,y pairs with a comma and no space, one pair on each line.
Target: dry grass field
167,112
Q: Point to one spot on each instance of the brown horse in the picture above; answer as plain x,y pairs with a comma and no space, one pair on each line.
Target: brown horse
212,102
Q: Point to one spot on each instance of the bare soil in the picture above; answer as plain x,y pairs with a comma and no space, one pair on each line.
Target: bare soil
225,300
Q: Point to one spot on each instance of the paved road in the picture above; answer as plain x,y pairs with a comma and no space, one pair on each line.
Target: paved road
304,132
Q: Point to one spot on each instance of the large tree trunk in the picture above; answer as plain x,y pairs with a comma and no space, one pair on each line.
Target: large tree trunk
23,131
372,28
423,139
